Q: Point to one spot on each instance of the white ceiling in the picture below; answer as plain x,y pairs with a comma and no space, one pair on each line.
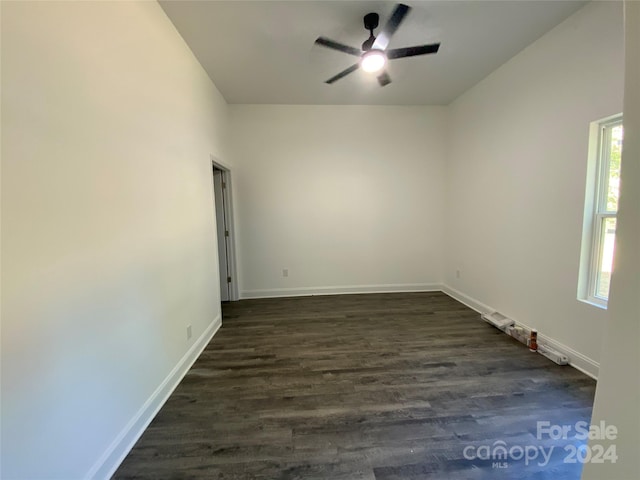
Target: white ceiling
263,51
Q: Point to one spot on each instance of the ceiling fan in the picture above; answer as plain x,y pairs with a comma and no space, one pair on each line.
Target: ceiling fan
374,53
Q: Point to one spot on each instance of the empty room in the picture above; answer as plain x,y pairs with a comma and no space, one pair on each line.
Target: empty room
341,240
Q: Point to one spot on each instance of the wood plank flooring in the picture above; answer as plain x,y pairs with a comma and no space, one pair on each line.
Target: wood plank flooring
360,387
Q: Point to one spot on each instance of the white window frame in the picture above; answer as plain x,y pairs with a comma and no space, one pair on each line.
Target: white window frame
596,212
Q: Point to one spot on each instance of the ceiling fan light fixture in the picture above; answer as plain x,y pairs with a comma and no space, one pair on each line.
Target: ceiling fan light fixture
373,61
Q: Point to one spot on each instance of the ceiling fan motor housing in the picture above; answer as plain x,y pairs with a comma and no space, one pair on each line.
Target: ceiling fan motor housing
371,21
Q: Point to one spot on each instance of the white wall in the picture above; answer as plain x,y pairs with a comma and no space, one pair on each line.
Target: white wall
618,390
108,237
347,198
516,174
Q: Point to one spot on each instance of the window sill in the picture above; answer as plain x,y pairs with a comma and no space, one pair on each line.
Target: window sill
602,306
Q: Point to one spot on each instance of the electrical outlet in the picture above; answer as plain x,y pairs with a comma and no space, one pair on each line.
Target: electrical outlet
285,272
457,273
188,332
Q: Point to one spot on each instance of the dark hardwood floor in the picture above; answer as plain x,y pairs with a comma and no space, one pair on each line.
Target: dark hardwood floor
384,387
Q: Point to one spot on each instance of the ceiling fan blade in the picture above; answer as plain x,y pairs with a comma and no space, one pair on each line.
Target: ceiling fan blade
343,73
384,37
325,42
384,79
412,51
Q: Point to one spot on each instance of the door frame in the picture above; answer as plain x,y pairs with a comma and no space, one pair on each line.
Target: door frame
227,194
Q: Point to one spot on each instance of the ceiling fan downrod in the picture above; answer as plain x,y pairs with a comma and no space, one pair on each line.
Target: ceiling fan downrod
370,23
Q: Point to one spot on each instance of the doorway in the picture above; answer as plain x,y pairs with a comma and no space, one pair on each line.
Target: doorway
224,229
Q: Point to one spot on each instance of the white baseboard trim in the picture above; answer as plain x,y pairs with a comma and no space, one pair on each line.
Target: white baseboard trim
340,290
470,302
111,459
581,362
577,360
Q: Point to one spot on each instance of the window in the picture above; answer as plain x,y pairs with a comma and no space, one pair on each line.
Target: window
601,209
